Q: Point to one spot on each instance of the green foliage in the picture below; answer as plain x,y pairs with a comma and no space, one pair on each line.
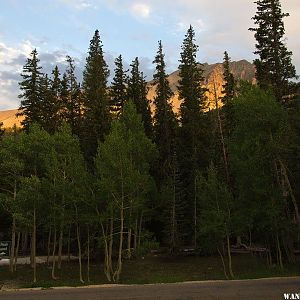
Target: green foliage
51,101
229,85
137,93
123,160
164,118
71,98
274,66
118,91
216,204
260,136
193,133
30,97
96,98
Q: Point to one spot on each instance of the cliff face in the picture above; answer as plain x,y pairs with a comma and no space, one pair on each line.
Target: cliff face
9,119
213,81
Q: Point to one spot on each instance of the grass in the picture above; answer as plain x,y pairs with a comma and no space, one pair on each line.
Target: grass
150,270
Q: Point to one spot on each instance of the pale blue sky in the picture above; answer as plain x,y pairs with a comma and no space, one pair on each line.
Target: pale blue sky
128,27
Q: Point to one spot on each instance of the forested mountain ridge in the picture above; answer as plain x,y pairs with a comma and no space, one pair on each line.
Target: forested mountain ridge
241,69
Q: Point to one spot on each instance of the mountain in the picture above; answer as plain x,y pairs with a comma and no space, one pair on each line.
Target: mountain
9,119
213,74
213,79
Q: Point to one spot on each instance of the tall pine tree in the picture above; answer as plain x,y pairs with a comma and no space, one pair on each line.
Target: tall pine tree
30,97
164,118
96,98
137,92
71,98
118,92
229,81
192,131
50,97
274,66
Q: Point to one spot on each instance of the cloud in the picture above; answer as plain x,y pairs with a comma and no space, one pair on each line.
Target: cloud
78,4
11,64
140,10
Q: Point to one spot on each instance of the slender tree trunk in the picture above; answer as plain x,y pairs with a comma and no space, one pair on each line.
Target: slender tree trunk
79,251
88,253
111,241
294,200
223,263
106,255
13,233
118,271
48,245
69,244
140,230
17,251
135,234
12,246
229,256
54,254
129,243
34,244
60,245
279,252
221,135
31,251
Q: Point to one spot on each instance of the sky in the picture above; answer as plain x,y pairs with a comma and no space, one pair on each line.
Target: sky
57,28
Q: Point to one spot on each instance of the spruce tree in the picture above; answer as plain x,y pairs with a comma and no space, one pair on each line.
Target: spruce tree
71,98
229,85
46,102
50,92
118,92
56,101
192,131
96,98
274,66
137,92
30,97
164,118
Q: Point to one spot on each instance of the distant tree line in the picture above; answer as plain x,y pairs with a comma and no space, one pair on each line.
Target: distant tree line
93,170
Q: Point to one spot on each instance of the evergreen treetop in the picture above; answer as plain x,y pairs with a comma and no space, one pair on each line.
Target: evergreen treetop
96,99
118,87
191,75
274,66
30,91
137,92
229,85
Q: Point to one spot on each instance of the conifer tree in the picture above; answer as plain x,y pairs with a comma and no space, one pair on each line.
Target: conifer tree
71,98
274,66
229,85
118,92
192,131
50,90
30,97
96,99
55,89
164,118
137,92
